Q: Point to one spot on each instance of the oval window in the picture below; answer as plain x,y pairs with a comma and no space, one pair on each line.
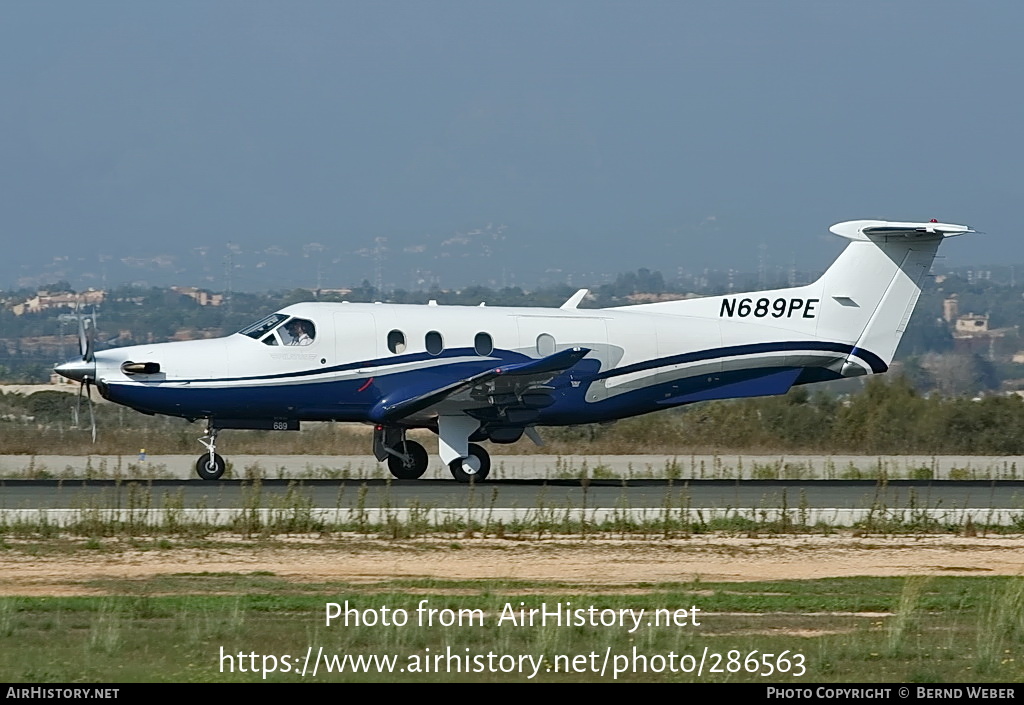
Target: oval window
482,344
435,343
545,345
396,341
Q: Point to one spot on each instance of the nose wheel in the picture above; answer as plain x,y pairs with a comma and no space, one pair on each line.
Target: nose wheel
210,466
472,468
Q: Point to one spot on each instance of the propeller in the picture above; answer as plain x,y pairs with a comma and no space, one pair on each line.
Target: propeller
86,377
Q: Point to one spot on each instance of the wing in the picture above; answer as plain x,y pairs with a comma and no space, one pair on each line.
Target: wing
497,390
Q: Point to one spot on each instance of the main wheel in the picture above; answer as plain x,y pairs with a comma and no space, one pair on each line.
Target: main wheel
210,470
471,469
414,467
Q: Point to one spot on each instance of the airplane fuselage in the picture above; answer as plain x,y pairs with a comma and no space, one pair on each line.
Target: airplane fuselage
638,362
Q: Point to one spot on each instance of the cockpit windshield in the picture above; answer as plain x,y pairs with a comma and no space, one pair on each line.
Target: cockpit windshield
257,329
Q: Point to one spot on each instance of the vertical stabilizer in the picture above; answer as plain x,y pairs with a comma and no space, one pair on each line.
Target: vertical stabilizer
872,288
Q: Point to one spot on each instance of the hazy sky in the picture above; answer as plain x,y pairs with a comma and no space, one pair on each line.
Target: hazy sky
485,137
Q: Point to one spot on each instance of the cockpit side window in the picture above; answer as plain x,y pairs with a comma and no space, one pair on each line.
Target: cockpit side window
298,331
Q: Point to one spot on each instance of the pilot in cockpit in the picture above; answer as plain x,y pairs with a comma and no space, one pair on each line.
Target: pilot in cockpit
301,332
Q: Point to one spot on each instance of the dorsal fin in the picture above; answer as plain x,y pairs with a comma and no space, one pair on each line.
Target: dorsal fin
575,299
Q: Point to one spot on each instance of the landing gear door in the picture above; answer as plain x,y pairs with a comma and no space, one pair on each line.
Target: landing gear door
355,337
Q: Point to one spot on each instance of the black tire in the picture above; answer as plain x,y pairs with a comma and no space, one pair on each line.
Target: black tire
208,470
415,467
480,475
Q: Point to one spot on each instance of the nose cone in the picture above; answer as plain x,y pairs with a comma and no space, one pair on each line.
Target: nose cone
78,370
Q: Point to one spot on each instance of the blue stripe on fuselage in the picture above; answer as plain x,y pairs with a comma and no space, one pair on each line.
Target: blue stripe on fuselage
875,362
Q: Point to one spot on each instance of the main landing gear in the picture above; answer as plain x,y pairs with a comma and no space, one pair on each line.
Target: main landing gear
210,465
472,468
467,461
408,460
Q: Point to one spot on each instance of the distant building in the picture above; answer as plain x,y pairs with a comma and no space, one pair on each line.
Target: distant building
200,296
45,300
951,308
970,325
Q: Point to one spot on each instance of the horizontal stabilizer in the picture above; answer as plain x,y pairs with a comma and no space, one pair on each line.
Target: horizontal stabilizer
879,229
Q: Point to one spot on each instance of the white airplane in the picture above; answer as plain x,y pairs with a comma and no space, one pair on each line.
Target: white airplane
473,374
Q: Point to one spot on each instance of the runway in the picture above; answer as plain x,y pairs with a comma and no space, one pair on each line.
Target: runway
632,494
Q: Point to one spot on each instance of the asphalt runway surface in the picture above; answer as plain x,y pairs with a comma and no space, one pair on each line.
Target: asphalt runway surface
624,494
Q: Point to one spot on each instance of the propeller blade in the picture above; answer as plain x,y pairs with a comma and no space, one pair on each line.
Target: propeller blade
90,338
82,342
92,414
86,334
78,404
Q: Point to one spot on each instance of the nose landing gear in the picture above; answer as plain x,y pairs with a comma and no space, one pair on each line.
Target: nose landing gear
210,466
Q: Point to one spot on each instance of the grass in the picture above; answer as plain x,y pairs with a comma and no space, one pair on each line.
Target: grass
176,628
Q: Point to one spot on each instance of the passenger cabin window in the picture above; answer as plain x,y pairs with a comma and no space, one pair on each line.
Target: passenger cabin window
396,341
482,344
434,342
545,345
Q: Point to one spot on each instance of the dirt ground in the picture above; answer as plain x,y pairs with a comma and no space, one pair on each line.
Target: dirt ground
594,562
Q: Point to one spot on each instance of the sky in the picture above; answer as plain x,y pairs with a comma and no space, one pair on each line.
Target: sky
264,145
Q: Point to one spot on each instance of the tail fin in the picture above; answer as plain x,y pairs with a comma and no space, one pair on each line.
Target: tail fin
874,285
861,304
